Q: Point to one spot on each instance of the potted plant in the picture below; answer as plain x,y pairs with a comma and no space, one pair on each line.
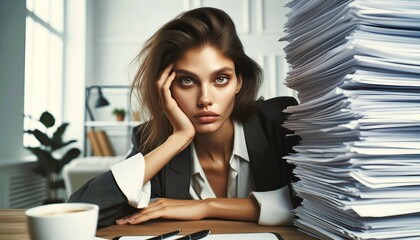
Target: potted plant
50,162
119,113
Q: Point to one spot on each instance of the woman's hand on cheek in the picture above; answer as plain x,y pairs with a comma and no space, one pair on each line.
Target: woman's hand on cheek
180,122
168,209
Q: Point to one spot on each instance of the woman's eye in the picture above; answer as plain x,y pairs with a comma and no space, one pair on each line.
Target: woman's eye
222,80
186,81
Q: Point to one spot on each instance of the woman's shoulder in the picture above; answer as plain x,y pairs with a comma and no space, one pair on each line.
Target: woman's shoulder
137,133
138,130
275,106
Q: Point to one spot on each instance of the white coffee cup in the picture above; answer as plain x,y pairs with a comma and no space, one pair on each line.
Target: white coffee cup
64,221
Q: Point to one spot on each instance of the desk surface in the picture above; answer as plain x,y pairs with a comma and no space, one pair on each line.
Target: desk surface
13,227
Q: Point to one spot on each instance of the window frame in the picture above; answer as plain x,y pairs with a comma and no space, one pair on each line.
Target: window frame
52,99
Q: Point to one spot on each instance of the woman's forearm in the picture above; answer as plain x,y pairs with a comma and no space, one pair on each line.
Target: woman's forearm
243,209
160,156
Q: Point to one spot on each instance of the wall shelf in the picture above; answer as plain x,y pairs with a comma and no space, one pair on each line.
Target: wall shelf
104,135
111,123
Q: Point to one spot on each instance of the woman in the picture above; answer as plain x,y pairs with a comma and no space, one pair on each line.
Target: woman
210,149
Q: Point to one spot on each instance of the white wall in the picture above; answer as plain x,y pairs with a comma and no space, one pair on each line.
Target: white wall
12,69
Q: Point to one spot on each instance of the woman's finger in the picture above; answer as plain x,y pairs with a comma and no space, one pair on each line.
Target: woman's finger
169,209
143,213
166,92
160,82
126,219
144,217
164,75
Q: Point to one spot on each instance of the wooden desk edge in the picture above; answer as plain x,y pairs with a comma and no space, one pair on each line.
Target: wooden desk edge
13,227
216,226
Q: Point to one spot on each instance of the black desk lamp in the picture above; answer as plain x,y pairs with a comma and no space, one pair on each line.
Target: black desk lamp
101,102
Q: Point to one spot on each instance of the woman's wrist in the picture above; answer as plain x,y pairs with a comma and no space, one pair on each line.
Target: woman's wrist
243,209
209,207
179,140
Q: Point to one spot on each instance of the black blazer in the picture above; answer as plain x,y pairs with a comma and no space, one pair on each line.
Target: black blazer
266,142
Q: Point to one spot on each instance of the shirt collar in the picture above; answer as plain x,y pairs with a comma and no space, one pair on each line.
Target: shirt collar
239,149
196,167
239,143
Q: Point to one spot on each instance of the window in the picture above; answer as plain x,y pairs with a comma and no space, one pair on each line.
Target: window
44,61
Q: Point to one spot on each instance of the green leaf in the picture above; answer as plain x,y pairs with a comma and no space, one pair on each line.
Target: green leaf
69,156
47,119
55,147
46,162
41,137
58,135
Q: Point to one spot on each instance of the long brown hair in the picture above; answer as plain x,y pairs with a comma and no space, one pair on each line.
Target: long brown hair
191,29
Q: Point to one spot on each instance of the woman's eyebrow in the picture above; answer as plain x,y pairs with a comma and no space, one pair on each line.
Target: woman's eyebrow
216,72
186,72
222,70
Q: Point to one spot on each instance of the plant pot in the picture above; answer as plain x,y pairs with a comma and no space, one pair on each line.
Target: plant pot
119,117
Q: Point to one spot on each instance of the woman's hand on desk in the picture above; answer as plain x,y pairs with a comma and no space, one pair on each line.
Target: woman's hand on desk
245,209
168,209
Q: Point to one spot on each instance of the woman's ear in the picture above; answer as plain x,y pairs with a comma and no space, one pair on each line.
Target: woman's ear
239,86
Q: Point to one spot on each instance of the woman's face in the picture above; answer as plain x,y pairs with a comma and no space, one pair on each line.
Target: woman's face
205,87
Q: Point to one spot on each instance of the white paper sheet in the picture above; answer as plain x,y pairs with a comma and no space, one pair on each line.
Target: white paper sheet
233,236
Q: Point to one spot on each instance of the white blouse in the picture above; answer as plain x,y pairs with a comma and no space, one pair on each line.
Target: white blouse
275,206
240,182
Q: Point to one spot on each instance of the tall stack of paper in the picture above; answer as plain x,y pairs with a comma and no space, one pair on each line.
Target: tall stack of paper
356,67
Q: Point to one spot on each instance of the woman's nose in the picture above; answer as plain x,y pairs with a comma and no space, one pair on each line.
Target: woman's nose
205,100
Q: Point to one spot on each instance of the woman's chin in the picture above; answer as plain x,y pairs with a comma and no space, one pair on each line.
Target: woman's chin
207,128
220,125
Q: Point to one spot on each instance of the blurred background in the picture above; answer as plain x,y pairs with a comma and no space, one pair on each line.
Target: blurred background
73,59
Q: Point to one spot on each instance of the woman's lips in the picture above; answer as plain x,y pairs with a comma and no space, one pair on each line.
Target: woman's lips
206,117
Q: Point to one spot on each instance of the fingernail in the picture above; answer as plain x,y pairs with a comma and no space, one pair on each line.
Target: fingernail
118,220
131,220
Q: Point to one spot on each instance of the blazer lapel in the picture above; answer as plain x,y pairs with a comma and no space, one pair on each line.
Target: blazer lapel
263,162
177,176
255,139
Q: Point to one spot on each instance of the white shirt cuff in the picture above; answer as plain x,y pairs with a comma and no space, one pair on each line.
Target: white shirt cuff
275,207
129,175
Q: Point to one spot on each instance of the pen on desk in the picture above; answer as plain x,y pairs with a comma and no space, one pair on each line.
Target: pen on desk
166,235
195,236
